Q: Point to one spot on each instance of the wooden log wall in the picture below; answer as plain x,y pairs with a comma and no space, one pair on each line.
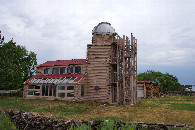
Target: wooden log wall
112,66
98,72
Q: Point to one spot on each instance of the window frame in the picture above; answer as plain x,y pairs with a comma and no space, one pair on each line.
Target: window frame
30,94
63,70
35,87
70,93
60,87
55,70
62,96
70,70
68,88
37,94
31,86
77,68
46,70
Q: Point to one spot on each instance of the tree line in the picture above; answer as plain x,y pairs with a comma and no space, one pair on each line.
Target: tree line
167,81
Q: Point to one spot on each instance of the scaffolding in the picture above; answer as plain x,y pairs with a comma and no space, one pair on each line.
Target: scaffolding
124,70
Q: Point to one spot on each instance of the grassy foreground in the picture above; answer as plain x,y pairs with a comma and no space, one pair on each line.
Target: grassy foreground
168,109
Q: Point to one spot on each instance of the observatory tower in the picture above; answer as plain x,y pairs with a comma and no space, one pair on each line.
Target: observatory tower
111,66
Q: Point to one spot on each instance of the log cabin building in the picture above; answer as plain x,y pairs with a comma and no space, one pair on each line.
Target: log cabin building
108,73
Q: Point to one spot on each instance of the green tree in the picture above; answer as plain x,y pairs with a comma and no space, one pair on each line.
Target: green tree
167,81
16,65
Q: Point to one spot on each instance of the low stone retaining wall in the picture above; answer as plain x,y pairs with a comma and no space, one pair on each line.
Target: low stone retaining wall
28,121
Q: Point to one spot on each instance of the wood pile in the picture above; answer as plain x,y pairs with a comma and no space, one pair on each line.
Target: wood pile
28,121
152,90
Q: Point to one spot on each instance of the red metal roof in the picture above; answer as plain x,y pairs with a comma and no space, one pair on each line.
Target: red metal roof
63,62
78,77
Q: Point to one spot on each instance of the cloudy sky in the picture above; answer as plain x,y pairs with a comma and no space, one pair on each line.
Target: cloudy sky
61,29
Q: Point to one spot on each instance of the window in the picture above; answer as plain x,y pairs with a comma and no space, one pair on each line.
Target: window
51,81
43,80
70,87
46,91
54,91
70,70
47,71
55,71
47,80
30,93
43,90
59,81
33,80
61,87
82,91
70,95
66,79
30,87
71,80
62,70
36,93
50,90
61,94
78,70
37,80
37,87
56,80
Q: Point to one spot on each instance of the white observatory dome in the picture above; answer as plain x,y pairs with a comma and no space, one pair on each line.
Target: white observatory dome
103,28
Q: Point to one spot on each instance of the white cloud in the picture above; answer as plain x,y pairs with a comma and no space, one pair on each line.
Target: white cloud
62,29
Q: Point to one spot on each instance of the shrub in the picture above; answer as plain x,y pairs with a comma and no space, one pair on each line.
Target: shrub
81,127
5,122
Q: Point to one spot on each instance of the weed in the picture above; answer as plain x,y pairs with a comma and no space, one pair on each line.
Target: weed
7,102
68,110
128,127
111,118
5,123
188,107
81,127
107,125
15,104
169,109
178,106
44,110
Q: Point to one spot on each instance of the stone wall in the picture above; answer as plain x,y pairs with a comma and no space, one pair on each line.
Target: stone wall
28,121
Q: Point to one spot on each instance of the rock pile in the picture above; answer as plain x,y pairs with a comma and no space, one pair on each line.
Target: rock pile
28,121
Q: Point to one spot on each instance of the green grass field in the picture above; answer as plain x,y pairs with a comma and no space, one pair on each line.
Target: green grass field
168,109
